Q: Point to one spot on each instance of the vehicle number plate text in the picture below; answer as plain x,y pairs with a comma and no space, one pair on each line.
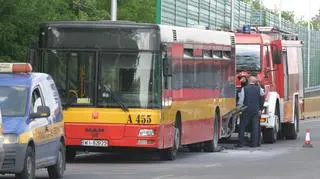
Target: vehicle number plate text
95,143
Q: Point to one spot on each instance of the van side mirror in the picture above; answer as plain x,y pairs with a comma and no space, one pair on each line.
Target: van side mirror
277,54
42,111
167,66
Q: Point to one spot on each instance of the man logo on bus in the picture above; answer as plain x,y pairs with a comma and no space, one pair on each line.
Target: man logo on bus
95,115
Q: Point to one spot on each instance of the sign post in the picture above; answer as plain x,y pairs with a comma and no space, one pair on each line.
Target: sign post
158,12
1,140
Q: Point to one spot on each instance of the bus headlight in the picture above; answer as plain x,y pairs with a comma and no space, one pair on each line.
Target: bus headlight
146,132
10,139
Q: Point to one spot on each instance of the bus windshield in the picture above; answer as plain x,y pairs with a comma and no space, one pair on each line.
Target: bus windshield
112,80
248,57
129,77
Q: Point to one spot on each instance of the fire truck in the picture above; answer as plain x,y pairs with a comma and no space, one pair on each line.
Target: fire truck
275,57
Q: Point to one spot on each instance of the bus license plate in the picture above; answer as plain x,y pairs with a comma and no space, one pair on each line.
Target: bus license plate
95,143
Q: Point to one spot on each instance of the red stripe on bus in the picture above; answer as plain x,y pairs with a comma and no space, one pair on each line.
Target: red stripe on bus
192,94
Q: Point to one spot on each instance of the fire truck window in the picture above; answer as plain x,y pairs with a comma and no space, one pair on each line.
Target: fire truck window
267,54
248,57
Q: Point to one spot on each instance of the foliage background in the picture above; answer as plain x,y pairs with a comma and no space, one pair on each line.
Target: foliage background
20,19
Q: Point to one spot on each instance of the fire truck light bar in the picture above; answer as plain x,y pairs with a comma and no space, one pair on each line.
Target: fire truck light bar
15,68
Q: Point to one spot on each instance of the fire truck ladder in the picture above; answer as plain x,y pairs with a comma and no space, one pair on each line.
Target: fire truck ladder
282,34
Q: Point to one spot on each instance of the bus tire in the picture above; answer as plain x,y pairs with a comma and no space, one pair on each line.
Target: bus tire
171,153
29,166
70,155
57,170
212,145
195,148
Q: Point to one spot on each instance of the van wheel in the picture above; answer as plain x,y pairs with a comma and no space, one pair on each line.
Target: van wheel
57,170
212,145
29,167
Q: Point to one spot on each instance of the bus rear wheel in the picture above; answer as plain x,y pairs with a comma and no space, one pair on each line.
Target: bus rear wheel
212,145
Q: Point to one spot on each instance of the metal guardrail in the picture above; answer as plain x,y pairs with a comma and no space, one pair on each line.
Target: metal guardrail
311,102
312,91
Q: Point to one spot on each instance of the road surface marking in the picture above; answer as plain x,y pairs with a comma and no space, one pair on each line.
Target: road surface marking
162,176
213,165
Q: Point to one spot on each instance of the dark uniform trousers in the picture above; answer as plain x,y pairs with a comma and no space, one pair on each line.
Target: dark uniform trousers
253,101
253,118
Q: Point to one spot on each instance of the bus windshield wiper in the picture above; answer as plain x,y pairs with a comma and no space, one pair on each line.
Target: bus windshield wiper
123,106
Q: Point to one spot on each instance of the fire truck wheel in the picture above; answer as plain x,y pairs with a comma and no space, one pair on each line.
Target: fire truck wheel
171,153
212,145
291,130
270,135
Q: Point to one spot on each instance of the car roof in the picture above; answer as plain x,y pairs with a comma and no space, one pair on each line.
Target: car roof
20,79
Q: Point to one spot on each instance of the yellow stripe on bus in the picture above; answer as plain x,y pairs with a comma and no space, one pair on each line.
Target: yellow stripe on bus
190,110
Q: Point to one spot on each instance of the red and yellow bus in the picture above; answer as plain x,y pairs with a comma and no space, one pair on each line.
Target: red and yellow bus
127,85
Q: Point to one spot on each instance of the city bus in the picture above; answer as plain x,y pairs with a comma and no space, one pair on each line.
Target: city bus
127,85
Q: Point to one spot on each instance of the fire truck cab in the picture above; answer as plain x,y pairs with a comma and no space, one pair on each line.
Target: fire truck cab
275,57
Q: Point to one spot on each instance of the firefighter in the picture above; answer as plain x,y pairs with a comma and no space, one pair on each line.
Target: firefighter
250,96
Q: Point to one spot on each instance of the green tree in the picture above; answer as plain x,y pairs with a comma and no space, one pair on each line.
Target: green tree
19,22
137,10
88,10
288,15
316,21
254,3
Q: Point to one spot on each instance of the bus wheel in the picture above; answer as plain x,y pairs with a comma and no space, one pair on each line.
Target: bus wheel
212,145
70,155
195,148
171,153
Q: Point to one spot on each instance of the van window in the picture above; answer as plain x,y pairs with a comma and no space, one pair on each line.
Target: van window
13,100
36,100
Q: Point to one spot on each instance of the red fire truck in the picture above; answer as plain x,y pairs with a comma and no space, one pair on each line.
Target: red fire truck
275,57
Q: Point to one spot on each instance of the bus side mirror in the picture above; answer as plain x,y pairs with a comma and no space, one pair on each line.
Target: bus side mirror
277,57
31,54
167,66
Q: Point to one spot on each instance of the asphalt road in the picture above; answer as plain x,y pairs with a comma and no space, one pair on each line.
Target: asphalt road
284,159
